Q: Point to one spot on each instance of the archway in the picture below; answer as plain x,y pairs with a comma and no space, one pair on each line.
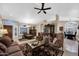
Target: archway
70,44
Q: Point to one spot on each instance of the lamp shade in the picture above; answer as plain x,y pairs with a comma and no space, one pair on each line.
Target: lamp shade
3,31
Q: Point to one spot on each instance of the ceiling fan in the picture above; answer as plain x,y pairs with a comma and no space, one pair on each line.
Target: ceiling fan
42,8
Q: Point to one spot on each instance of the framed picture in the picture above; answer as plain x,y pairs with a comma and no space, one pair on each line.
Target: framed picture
15,31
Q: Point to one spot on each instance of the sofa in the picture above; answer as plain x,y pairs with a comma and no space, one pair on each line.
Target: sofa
9,48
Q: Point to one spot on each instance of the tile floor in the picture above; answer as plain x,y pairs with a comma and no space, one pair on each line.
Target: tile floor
70,48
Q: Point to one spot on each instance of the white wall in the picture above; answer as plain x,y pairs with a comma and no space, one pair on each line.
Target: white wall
39,28
1,27
14,25
62,23
21,25
15,37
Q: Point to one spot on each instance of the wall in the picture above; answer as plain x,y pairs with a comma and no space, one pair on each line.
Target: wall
40,27
16,28
78,30
22,25
1,27
14,24
62,23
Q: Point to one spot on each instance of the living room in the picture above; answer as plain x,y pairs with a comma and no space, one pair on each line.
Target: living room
37,32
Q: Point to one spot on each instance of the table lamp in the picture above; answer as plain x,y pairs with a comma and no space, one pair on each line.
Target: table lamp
3,32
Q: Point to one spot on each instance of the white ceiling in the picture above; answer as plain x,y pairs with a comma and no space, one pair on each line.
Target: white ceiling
25,12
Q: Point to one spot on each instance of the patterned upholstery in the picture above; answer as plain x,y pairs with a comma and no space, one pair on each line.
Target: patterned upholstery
58,44
59,40
39,37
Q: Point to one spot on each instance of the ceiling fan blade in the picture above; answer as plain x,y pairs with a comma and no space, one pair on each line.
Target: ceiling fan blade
42,5
44,12
37,8
39,11
47,8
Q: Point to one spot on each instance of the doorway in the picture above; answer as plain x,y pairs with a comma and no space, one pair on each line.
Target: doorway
49,28
70,41
9,29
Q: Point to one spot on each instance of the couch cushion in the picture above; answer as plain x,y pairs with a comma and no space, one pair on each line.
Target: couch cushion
60,36
58,43
14,50
18,53
3,48
6,40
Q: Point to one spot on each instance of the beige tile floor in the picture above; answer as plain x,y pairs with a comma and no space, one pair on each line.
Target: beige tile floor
70,48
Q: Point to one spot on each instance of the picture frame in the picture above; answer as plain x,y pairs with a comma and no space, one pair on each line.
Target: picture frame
15,31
